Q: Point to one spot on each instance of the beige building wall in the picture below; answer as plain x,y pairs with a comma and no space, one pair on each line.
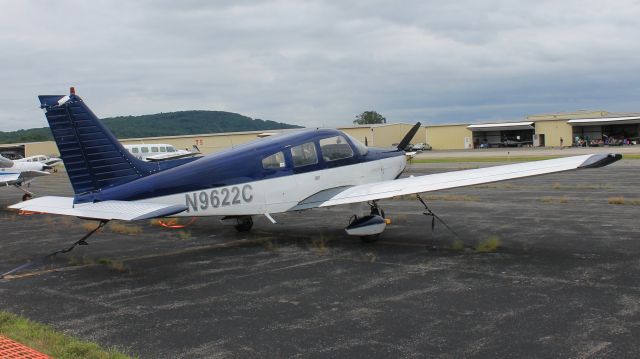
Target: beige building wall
377,136
385,135
41,148
449,137
553,131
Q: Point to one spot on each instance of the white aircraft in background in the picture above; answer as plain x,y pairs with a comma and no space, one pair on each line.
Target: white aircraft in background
153,152
49,161
20,173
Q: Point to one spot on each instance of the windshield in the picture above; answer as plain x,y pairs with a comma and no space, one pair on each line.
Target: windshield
362,149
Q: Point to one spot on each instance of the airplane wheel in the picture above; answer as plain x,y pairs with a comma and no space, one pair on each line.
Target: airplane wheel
244,224
370,239
26,197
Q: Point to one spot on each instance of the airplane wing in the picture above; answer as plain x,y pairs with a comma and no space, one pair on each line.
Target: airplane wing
9,178
122,210
439,181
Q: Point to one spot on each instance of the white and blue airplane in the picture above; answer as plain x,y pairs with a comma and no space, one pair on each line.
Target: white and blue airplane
288,172
20,174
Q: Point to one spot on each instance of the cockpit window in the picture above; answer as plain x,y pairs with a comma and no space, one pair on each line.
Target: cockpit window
360,147
304,154
276,160
171,149
335,148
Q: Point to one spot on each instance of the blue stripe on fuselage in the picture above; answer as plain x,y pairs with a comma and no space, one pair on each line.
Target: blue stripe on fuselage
239,165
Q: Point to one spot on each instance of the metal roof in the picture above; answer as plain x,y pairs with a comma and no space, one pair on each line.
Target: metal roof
605,121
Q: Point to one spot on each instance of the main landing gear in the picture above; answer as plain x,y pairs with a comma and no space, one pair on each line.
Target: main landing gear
27,194
240,223
244,224
369,227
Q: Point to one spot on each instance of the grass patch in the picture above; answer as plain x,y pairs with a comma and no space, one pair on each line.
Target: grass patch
457,246
45,339
184,235
552,200
616,200
621,200
490,245
114,265
320,244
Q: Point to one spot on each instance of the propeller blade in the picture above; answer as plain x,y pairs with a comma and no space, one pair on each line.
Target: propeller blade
407,138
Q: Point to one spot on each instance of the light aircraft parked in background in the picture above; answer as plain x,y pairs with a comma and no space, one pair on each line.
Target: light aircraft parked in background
152,152
19,174
48,161
287,172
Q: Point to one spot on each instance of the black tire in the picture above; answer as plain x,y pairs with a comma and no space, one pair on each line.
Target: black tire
370,239
244,224
26,197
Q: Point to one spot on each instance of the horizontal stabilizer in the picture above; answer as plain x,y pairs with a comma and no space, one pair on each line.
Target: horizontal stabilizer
440,181
121,210
32,174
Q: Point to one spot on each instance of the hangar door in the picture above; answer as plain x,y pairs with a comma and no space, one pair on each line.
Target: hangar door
606,131
514,134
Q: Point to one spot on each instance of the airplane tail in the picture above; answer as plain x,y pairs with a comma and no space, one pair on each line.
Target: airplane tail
93,157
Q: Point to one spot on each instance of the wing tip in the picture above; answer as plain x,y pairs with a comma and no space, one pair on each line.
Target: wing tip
600,160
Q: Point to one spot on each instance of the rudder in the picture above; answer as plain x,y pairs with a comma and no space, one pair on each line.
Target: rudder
93,157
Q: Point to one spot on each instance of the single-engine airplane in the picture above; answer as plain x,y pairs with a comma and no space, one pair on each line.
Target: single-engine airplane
288,172
20,174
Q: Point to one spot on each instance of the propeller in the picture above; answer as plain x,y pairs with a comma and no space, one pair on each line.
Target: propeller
407,138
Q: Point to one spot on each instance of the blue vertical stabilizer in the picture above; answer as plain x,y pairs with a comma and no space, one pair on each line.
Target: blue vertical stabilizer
93,157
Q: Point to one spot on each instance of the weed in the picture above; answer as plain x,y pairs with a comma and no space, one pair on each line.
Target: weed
622,200
114,265
457,245
121,228
371,257
490,245
320,244
80,261
184,235
616,200
270,246
551,200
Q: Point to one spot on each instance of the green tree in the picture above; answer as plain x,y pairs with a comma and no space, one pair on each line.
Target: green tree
369,117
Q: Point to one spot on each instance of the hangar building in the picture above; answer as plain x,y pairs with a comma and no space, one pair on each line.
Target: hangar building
594,128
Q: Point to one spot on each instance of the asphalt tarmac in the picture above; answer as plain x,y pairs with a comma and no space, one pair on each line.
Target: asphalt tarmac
563,283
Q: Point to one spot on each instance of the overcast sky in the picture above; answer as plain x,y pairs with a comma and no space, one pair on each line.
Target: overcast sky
319,63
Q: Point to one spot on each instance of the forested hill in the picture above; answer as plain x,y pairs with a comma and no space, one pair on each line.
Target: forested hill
162,124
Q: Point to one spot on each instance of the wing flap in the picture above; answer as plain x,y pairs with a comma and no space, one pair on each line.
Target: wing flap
439,181
121,210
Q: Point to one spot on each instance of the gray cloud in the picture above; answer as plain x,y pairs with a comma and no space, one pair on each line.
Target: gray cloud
319,63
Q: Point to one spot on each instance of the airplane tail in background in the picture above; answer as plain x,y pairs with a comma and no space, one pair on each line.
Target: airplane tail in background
93,157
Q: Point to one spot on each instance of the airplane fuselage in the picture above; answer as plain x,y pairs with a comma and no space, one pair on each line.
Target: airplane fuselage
241,181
